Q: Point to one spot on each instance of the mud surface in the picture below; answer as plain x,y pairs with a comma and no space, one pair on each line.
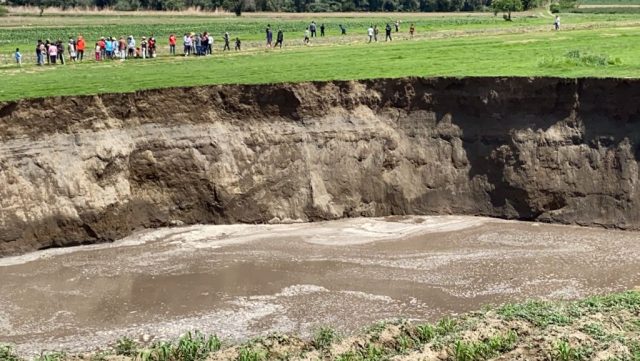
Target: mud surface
80,170
245,280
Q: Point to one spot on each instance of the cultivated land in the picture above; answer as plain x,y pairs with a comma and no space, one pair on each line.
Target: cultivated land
445,45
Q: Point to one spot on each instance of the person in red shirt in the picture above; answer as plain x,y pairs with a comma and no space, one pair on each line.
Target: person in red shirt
172,44
80,47
103,51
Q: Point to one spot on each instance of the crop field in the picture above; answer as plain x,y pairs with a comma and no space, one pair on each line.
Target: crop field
477,44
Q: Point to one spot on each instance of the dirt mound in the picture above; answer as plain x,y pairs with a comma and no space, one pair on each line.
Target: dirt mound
91,169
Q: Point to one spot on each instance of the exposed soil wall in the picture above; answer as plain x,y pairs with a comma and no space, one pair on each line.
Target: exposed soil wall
90,169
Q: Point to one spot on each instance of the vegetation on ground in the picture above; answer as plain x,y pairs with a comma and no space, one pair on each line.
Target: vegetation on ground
600,327
475,45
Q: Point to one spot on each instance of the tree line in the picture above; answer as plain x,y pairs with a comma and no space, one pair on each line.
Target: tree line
239,6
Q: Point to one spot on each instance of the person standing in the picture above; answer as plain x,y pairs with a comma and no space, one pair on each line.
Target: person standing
108,48
131,46
370,33
18,57
397,25
98,51
279,38
152,46
103,51
322,29
306,36
53,53
312,29
238,44
80,47
47,45
387,32
198,44
122,47
205,43
60,47
343,30
143,48
40,53
412,30
187,44
556,23
375,33
172,44
226,42
71,47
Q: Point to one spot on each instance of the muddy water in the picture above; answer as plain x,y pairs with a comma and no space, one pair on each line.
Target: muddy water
245,280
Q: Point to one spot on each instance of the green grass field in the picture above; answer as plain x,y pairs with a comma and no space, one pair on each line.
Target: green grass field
445,45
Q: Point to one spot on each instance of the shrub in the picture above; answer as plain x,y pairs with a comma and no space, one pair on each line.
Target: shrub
7,353
324,337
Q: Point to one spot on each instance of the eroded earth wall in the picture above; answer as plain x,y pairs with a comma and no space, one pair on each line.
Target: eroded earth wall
94,168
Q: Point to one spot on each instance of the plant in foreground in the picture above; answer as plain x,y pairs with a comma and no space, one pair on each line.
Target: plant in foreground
7,354
324,337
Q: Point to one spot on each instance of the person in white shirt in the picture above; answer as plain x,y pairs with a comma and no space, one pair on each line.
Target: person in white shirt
370,33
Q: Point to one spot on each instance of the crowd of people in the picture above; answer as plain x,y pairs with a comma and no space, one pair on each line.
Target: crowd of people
194,44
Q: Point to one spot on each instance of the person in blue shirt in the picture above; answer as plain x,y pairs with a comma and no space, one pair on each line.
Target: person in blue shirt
18,57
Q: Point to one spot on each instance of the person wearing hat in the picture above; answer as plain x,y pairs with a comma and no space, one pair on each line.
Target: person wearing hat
143,48
103,49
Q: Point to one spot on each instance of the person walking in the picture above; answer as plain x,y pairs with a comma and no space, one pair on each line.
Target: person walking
172,44
556,23
370,33
397,25
279,38
267,32
226,41
18,57
80,44
238,44
412,30
322,29
306,36
387,32
375,33
269,37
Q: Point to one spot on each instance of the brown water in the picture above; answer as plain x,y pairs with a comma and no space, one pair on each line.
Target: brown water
240,281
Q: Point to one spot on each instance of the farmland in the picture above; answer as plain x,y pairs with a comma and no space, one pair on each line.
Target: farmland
445,45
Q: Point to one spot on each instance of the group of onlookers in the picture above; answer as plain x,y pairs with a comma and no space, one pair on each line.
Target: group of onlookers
105,48
53,52
198,44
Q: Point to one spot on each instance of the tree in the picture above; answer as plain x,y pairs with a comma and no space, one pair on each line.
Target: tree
506,6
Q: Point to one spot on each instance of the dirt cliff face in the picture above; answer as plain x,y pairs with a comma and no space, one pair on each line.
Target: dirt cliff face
89,169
